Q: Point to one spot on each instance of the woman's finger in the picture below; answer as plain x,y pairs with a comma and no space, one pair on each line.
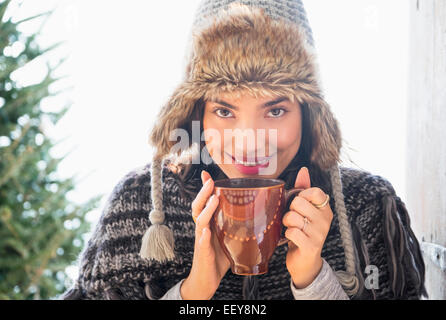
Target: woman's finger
316,196
200,200
293,219
205,216
320,217
317,232
303,242
296,236
305,208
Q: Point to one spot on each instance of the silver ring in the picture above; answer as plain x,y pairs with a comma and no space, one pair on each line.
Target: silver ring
305,223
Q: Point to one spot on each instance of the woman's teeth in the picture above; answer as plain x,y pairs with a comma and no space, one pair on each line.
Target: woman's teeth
251,164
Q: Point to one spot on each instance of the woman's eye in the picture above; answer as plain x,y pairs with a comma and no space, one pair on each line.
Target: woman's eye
223,113
277,112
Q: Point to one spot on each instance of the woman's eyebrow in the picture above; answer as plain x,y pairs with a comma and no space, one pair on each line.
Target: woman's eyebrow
265,105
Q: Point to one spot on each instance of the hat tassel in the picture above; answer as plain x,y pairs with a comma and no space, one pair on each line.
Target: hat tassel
348,278
158,240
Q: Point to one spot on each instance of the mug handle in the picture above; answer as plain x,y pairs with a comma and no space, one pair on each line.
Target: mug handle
289,196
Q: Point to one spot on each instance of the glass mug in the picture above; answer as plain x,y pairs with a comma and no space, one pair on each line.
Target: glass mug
248,221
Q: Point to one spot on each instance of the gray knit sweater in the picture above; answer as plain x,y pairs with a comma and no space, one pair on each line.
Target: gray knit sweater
111,268
324,287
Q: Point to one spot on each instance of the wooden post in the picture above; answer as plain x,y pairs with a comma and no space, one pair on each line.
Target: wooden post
426,150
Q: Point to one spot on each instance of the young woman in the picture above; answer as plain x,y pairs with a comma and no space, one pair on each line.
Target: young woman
251,67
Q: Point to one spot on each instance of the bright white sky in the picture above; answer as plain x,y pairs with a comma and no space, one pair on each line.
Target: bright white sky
127,57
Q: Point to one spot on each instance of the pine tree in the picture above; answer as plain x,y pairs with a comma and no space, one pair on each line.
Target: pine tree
41,232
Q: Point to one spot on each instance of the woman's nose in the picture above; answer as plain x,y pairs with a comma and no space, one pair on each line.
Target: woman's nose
248,144
248,123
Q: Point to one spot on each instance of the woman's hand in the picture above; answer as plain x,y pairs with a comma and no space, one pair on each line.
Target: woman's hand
209,264
304,261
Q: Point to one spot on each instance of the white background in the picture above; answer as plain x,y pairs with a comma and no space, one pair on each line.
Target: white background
125,59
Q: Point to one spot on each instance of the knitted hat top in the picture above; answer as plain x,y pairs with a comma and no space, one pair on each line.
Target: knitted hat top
263,48
291,10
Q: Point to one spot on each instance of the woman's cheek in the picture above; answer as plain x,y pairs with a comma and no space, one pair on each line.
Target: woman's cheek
214,140
289,136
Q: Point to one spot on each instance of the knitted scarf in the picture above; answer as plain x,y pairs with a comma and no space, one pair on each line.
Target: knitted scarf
111,268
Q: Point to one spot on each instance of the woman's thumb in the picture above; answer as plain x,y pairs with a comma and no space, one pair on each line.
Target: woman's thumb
303,179
205,176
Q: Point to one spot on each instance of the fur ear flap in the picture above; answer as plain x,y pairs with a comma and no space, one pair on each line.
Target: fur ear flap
173,116
326,135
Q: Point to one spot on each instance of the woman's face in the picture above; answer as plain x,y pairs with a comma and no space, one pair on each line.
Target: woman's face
280,119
